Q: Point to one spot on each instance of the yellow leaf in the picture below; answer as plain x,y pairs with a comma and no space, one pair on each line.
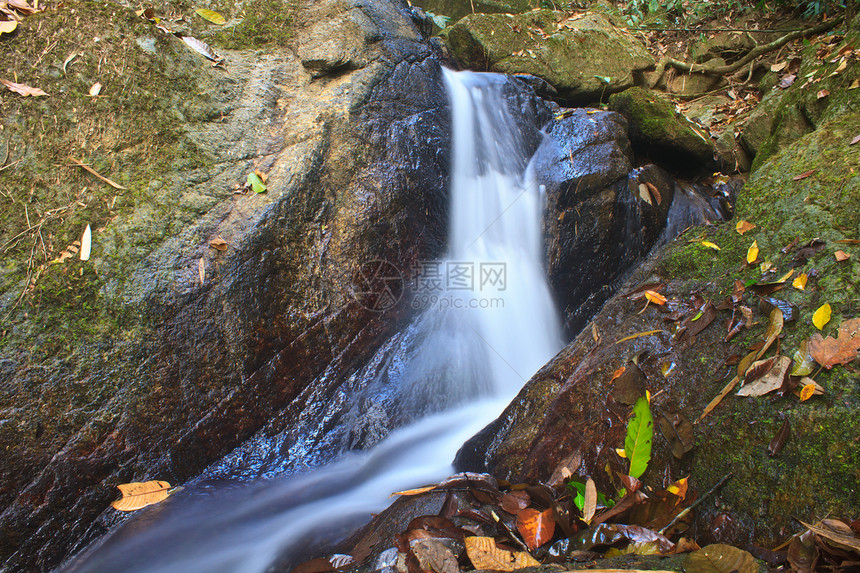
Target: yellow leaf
821,316
637,335
621,453
744,226
655,297
8,26
416,491
648,395
800,281
807,392
752,252
766,266
710,245
484,554
136,495
211,16
679,488
785,277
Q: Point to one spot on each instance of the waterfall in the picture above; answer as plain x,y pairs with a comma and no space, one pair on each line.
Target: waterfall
488,323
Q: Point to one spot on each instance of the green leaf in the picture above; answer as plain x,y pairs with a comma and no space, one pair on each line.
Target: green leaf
637,444
256,183
211,16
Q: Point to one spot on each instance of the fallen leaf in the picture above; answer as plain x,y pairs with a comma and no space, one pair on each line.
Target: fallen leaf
803,553
416,491
804,175
644,194
803,361
655,193
786,81
765,266
201,269
854,84
211,16
779,67
136,495
86,244
256,183
679,488
784,277
515,501
720,558
821,316
637,335
843,538
618,372
807,392
22,89
744,226
817,390
855,141
484,554
95,89
621,453
710,245
434,556
841,350
823,94
799,281
841,256
637,442
201,48
536,527
590,501
752,252
655,297
770,381
779,440
8,26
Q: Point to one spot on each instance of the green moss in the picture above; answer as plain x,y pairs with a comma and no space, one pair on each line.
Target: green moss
262,22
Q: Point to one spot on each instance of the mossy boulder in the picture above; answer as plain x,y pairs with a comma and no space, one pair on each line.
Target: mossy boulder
567,415
658,132
585,58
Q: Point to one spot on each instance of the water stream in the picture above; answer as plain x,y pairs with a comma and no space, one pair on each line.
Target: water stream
488,324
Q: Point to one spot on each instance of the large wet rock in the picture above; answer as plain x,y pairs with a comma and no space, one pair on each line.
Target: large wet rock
163,352
572,414
585,58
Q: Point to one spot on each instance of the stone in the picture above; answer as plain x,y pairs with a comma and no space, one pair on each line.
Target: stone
456,9
585,58
658,132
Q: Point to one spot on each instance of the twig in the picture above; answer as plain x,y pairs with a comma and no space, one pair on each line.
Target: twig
703,30
92,171
695,503
11,164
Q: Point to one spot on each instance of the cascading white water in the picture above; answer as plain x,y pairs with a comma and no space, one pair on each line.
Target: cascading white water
489,328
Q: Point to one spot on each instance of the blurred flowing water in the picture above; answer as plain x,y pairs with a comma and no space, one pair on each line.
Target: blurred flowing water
488,324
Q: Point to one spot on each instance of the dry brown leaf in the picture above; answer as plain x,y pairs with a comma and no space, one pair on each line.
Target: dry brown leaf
590,504
840,534
201,270
841,350
823,94
218,243
804,175
484,554
769,382
841,256
719,558
536,527
434,556
136,495
22,89
655,193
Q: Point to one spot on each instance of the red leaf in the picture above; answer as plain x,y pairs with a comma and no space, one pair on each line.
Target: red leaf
536,527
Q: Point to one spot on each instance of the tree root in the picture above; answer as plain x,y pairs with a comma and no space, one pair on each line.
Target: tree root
751,55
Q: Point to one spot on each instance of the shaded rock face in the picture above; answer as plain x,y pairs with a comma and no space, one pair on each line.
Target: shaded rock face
572,414
584,58
161,353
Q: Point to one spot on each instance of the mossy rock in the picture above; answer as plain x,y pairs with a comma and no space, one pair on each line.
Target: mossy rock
584,58
657,131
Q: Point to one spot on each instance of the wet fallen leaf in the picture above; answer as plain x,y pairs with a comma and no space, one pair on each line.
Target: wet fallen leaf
434,556
841,350
744,226
841,256
769,381
679,488
799,281
515,501
803,553
804,364
720,558
211,16
805,382
784,277
137,495
638,335
655,297
779,440
804,175
807,392
644,194
710,245
618,372
201,269
821,316
86,244
752,252
678,431
765,266
95,89
837,532
590,505
416,491
22,89
536,527
637,442
621,453
484,554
